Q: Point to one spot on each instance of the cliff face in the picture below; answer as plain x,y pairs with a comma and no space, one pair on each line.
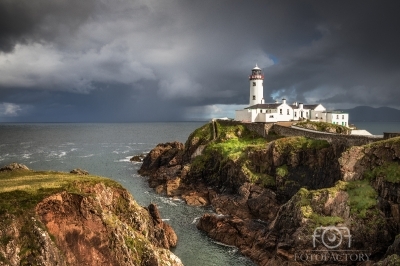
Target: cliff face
59,219
271,194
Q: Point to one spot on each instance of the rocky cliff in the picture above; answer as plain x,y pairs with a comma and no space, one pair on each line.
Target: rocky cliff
51,218
282,200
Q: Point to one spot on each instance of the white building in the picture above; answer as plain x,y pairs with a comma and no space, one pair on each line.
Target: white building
258,111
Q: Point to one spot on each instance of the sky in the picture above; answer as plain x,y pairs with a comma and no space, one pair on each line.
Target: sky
181,60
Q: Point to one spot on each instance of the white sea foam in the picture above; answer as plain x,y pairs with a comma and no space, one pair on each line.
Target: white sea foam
168,201
26,155
126,159
86,156
195,220
224,245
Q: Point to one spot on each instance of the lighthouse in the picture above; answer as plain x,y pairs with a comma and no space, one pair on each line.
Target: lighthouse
256,86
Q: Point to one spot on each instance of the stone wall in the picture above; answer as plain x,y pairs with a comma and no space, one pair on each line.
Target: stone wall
347,140
387,135
264,128
260,128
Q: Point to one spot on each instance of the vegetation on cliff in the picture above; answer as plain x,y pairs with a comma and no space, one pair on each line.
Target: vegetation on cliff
49,218
229,143
324,127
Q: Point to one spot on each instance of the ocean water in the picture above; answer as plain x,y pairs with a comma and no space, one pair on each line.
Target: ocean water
105,150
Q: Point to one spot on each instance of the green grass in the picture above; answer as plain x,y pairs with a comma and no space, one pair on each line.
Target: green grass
202,134
22,190
304,197
233,148
282,171
296,144
258,178
362,197
390,171
362,200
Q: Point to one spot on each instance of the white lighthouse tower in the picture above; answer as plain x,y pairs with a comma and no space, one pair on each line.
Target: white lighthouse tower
256,86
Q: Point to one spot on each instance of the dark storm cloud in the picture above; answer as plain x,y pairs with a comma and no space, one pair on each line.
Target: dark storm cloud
26,21
164,60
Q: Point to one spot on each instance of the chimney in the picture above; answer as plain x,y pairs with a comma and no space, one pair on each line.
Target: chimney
262,101
283,101
300,105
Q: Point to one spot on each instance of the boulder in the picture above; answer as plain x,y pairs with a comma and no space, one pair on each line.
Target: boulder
14,166
78,171
137,158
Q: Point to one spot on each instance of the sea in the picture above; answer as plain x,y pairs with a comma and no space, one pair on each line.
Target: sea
106,149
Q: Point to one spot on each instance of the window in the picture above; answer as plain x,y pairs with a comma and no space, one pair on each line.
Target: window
337,116
280,111
261,111
254,84
342,116
295,114
288,112
254,97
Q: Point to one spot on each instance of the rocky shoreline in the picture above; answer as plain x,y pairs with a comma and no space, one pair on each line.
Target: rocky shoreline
270,194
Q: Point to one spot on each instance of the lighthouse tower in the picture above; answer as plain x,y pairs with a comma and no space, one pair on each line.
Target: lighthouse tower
256,86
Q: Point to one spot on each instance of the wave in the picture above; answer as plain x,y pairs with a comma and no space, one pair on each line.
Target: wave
86,156
58,154
126,159
167,201
195,220
224,245
26,155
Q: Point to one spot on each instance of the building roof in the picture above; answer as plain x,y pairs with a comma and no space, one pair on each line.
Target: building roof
305,106
265,106
256,68
310,106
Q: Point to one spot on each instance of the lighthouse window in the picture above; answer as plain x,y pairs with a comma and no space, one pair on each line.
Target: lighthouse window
288,112
254,84
280,111
254,97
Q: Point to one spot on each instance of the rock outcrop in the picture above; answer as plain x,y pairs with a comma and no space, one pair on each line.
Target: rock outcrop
14,167
275,197
78,171
85,220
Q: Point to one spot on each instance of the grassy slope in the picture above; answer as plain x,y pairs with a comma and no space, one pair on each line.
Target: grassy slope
234,142
21,190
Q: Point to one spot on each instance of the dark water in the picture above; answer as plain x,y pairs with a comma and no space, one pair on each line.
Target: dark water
105,149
